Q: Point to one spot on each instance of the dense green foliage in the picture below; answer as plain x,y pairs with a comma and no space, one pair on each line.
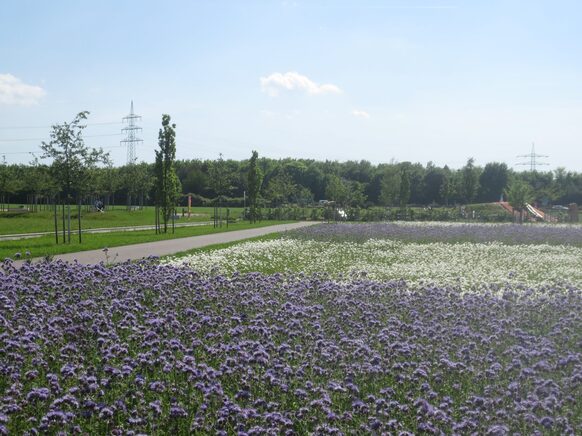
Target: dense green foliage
304,181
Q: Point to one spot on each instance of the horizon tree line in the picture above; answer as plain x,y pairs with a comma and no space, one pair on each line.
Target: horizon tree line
276,182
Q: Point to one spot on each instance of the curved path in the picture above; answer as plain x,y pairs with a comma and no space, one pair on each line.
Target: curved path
172,246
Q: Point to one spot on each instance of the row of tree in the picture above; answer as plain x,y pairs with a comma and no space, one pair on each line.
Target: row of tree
284,181
303,181
75,177
78,174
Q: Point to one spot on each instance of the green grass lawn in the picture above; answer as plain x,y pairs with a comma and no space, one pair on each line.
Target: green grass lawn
45,245
43,221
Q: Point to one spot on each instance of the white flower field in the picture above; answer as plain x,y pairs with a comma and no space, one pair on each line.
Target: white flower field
467,264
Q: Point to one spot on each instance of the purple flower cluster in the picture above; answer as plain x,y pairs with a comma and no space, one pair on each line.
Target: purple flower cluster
446,232
141,348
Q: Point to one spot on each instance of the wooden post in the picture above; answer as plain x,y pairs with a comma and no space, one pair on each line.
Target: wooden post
156,219
56,224
68,222
64,227
79,217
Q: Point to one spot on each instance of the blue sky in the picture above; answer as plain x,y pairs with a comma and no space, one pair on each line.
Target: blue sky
384,80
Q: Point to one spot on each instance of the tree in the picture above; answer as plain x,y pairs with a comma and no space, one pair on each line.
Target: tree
432,183
542,183
519,194
109,181
492,181
390,185
220,184
303,196
167,182
356,193
448,187
336,190
280,188
254,182
469,181
404,192
136,180
8,183
36,179
144,181
72,162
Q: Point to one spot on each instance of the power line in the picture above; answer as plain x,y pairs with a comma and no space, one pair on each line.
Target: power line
40,150
49,127
43,139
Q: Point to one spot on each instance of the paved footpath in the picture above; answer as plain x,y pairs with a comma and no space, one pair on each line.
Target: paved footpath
172,246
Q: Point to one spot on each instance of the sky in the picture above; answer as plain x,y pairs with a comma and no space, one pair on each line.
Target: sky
394,80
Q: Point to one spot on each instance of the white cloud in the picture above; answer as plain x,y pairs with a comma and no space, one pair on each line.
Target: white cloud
14,91
360,114
292,81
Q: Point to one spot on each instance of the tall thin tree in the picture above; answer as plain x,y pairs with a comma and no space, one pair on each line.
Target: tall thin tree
254,182
167,182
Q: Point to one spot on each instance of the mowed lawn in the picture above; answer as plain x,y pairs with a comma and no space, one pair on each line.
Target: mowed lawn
43,221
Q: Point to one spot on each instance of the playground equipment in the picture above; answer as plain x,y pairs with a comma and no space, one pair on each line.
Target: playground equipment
533,212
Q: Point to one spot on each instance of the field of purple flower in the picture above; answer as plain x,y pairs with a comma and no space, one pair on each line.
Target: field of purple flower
447,232
142,348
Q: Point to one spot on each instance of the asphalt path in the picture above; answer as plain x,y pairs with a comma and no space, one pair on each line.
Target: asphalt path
170,246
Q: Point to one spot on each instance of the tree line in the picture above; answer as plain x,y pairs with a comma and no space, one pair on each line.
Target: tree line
294,181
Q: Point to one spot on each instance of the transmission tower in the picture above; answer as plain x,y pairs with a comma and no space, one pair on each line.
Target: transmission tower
131,131
533,158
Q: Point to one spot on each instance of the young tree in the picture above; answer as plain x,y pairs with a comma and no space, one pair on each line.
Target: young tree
254,182
35,178
129,176
519,194
167,182
109,181
72,162
143,181
220,183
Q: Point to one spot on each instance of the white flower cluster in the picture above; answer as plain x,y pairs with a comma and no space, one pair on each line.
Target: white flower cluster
469,265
